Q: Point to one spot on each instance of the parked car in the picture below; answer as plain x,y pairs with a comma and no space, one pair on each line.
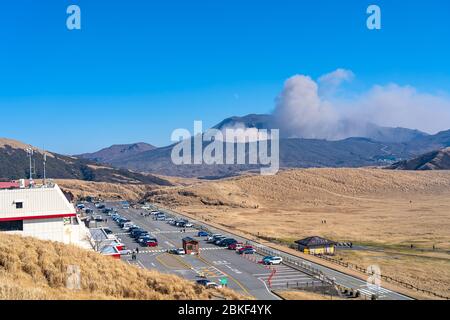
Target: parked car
179,251
151,243
127,227
161,217
226,242
218,239
271,260
188,225
214,238
125,252
98,218
235,246
89,211
202,234
211,237
246,250
136,233
140,233
207,283
107,230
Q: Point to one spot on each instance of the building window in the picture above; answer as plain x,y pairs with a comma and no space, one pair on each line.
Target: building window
19,205
11,225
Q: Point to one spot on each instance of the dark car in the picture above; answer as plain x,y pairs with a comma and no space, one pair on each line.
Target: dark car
140,233
207,283
247,251
145,237
227,242
136,232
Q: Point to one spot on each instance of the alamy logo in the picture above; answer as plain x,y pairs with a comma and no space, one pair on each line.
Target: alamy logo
231,146
374,20
73,21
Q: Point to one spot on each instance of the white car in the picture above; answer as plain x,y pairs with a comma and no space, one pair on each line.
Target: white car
273,260
213,236
188,225
179,251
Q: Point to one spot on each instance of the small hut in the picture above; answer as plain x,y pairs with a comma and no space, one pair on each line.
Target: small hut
191,246
316,246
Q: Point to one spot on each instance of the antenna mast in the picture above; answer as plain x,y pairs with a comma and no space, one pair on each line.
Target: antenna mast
45,161
30,155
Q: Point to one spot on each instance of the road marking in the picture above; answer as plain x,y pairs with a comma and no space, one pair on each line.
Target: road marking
232,278
158,231
169,244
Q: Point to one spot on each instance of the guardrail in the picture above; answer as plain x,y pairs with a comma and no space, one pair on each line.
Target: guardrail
384,277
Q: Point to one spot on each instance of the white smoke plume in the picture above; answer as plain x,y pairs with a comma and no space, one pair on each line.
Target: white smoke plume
310,109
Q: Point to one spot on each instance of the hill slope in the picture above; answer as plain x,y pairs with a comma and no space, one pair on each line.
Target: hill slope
14,164
435,160
117,152
37,270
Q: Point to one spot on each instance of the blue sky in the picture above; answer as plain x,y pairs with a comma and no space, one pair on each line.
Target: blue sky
139,69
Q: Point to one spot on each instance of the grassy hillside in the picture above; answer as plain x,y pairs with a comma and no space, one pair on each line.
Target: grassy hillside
14,164
37,270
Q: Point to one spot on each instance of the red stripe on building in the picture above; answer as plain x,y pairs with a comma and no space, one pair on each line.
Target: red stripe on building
54,216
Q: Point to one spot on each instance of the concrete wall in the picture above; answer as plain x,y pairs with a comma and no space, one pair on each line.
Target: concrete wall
45,229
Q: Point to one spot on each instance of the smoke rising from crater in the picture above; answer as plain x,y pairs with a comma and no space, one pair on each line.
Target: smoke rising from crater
311,109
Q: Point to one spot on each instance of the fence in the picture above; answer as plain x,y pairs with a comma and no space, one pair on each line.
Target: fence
383,277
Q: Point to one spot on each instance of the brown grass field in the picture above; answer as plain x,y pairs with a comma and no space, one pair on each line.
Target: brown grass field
302,295
32,269
384,210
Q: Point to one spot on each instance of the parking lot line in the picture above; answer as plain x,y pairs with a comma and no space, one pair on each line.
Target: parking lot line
236,281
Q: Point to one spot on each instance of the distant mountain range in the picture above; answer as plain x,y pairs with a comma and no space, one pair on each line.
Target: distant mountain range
435,160
14,164
400,148
380,146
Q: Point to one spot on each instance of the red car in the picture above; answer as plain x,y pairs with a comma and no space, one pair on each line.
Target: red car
151,243
235,246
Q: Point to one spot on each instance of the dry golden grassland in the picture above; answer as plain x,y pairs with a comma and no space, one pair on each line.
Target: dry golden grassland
388,210
303,295
104,190
37,270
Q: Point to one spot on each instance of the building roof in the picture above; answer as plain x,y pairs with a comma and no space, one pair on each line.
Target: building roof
38,203
315,242
189,239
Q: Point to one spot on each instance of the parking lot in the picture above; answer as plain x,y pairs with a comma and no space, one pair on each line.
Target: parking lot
244,273
214,263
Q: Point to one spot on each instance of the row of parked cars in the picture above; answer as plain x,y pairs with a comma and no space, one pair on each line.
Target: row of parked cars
239,247
141,236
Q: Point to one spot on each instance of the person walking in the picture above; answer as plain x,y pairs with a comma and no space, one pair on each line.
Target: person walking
137,250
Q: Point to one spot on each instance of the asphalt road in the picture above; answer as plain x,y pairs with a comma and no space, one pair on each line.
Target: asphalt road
244,274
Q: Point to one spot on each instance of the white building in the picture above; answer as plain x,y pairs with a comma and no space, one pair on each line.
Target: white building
42,212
